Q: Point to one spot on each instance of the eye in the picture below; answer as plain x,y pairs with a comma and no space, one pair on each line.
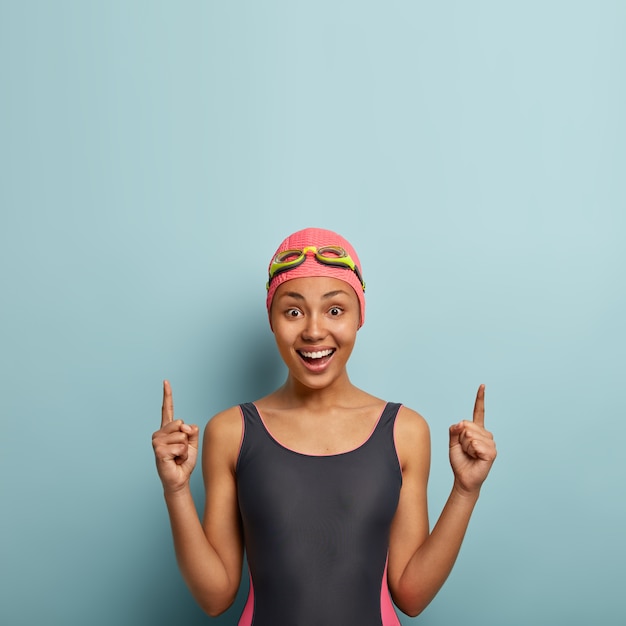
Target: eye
335,311
293,313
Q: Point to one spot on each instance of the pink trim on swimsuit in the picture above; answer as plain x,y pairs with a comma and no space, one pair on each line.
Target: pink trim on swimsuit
282,445
387,612
248,610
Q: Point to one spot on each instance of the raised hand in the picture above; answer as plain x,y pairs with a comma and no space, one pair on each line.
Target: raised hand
472,448
175,446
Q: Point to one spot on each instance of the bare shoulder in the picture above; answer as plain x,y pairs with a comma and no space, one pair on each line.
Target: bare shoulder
222,435
411,424
224,422
412,436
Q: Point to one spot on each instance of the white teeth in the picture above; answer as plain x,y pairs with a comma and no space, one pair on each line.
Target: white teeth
316,355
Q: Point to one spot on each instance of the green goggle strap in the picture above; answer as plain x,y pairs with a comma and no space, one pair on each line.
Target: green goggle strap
344,261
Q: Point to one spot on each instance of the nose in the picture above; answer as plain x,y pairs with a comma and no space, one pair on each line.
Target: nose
314,330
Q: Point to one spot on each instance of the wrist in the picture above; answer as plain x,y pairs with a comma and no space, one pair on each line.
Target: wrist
176,493
465,493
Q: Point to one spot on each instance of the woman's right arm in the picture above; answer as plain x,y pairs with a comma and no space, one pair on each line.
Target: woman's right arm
210,552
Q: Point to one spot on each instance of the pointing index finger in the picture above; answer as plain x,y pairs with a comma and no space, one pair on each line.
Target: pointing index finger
167,410
479,407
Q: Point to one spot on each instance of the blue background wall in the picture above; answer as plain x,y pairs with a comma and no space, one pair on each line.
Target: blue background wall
153,155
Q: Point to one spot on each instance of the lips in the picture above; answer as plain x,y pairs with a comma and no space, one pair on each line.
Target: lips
318,354
316,359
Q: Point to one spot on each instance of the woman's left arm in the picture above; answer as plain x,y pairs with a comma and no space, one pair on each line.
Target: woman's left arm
419,561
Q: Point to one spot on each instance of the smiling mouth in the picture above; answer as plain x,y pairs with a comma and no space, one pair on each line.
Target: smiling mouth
315,356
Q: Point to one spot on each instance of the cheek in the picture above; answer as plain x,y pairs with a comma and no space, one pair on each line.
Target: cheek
353,320
347,330
283,347
284,333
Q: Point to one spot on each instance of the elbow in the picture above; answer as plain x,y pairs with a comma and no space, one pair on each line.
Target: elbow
410,603
214,611
410,610
215,603
216,608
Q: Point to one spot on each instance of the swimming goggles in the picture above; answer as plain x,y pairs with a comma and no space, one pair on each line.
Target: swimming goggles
326,255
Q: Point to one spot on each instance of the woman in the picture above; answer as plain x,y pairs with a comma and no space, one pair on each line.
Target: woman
323,484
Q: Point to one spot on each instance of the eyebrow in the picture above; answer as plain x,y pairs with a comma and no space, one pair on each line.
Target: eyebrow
326,296
332,294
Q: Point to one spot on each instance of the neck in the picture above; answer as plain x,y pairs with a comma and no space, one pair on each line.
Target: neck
340,392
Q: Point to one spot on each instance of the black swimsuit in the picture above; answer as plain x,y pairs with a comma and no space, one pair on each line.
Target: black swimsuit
316,528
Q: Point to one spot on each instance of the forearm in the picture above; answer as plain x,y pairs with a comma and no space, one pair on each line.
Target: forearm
201,566
431,564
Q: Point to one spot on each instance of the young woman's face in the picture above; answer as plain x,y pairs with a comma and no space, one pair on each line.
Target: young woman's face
315,321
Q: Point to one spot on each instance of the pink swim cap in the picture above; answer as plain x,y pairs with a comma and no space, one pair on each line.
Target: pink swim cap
319,238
